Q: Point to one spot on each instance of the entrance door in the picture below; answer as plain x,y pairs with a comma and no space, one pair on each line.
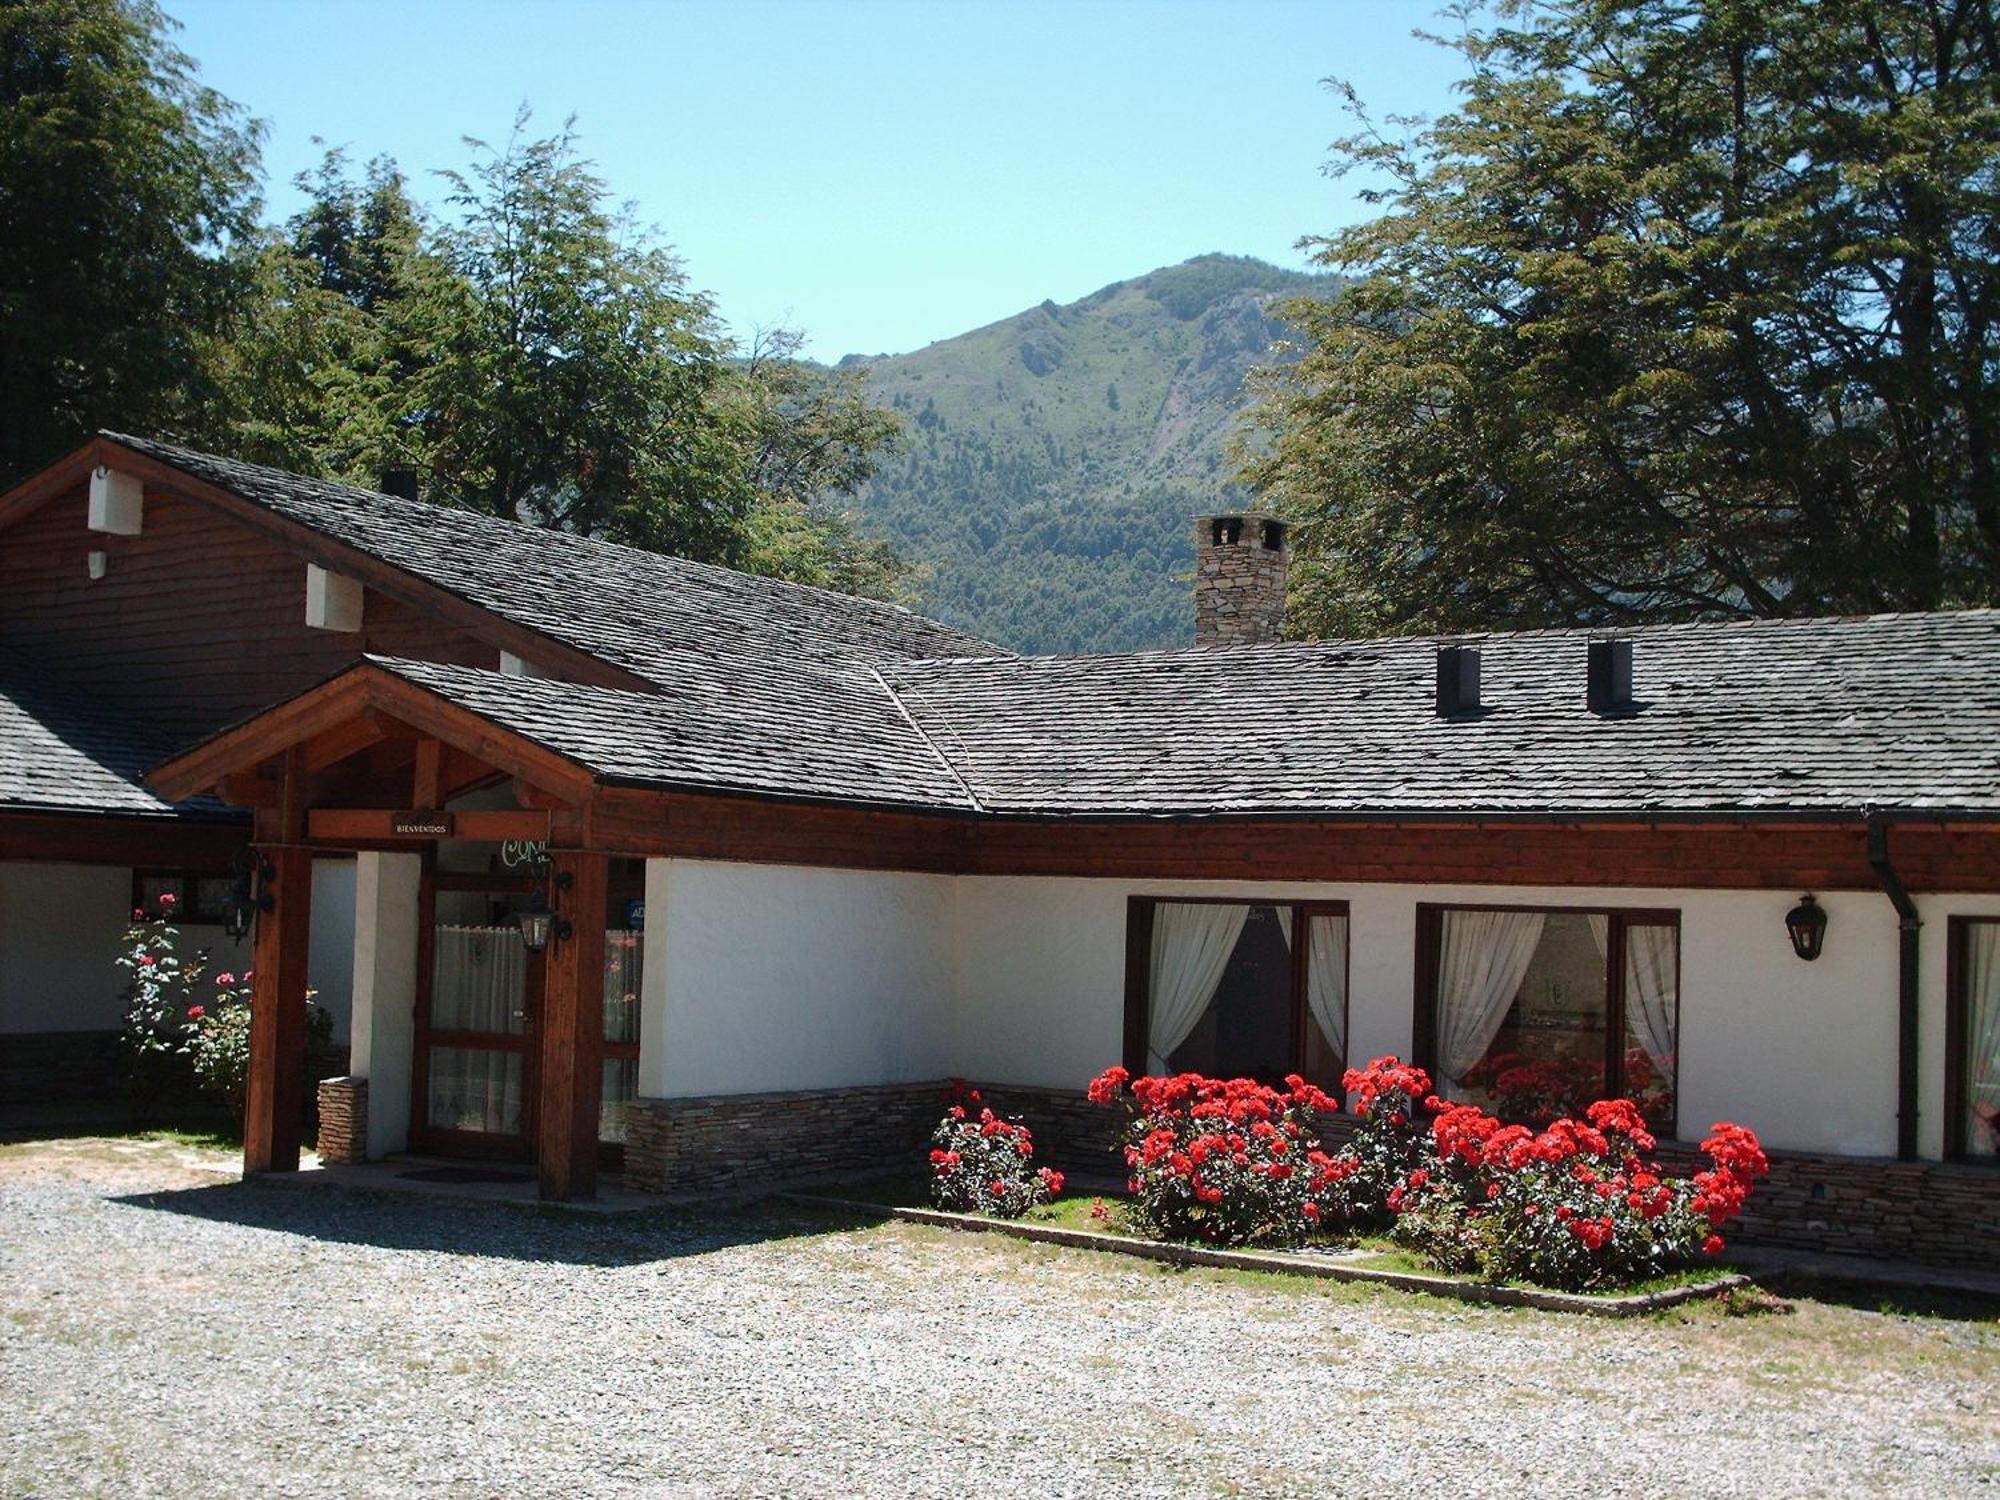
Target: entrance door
479,995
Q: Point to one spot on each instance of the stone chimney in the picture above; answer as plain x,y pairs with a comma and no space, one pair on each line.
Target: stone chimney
1240,562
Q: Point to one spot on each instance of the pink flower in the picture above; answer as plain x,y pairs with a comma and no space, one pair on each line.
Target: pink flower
145,960
166,900
225,980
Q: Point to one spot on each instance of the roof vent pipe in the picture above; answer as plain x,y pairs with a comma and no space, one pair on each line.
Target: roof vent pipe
1608,681
1457,680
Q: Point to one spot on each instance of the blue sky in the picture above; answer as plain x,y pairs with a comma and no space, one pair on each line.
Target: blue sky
881,174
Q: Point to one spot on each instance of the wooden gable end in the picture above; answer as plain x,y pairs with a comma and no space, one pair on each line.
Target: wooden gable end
197,620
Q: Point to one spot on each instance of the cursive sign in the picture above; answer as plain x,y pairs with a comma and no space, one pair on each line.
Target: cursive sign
517,852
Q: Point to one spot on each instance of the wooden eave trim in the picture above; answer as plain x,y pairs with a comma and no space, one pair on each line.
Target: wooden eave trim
53,482
335,556
351,695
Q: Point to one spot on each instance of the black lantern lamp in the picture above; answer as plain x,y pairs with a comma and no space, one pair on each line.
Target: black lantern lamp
1806,923
539,923
247,897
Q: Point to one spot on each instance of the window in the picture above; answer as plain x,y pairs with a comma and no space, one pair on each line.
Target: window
1237,989
1535,1012
199,899
1972,1040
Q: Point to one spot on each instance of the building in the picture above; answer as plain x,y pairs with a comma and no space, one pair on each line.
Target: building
789,859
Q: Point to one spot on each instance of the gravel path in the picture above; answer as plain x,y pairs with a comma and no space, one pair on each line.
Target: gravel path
165,1332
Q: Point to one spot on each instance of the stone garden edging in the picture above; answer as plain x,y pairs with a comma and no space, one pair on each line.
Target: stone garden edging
1463,1289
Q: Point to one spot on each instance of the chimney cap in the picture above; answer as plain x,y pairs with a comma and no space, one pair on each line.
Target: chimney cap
1225,528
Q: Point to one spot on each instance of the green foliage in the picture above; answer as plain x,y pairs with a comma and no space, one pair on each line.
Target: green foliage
1056,517
218,1041
1686,310
534,352
122,181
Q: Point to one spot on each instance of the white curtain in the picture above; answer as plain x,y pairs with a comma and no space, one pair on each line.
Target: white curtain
1600,932
1326,979
1284,922
1482,956
623,949
474,1088
1651,990
1982,1066
1192,942
479,980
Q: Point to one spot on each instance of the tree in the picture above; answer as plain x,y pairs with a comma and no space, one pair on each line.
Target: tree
572,369
122,182
1689,309
317,370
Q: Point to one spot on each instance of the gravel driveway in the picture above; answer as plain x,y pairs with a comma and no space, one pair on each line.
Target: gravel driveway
167,1332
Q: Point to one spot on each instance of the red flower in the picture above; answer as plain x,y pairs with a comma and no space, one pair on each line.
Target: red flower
145,960
195,1012
1712,1245
1106,1086
167,900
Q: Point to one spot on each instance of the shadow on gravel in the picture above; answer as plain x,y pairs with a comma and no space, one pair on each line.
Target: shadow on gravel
401,1221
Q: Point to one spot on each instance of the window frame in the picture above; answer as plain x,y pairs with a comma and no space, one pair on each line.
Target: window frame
185,885
1957,1040
1139,966
1430,934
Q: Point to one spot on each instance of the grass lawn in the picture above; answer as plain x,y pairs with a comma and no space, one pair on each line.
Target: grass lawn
1104,1213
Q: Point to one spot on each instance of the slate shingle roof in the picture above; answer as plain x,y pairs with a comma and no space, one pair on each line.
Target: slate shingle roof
1825,715
768,686
776,689
674,739
61,750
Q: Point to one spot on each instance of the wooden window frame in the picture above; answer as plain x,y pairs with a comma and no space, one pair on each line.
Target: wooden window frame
186,883
1139,964
1957,1043
1430,931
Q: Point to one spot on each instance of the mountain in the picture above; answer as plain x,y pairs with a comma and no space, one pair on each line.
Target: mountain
1050,462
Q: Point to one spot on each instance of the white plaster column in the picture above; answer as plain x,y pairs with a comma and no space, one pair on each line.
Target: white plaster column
652,1082
383,1030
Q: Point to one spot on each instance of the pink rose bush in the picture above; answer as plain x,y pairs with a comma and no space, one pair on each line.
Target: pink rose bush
981,1163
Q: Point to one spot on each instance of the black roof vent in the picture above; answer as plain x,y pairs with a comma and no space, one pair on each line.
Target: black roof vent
1608,681
1457,680
402,483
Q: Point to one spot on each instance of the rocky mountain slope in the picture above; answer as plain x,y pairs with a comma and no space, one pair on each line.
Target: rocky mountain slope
1050,461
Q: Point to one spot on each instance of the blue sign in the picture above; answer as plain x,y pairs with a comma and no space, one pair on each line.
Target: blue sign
635,915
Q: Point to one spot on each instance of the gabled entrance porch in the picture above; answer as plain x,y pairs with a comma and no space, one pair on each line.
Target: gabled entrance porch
483,922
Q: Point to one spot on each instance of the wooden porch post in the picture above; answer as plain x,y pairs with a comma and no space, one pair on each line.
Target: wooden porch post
573,1029
274,1111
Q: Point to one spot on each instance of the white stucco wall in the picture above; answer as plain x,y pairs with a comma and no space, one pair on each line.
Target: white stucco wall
60,928
763,977
1804,1053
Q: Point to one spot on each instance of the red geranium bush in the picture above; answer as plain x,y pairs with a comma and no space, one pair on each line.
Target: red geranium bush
1394,1104
1578,1205
981,1163
1226,1161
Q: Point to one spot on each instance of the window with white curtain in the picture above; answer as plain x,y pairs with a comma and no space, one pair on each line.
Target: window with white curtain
1535,1012
1239,989
1972,1026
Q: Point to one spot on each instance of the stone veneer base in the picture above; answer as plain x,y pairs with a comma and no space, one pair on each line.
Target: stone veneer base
1940,1214
343,1121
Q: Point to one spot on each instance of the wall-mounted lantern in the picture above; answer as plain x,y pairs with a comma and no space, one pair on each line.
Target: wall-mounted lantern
539,923
1806,923
248,897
